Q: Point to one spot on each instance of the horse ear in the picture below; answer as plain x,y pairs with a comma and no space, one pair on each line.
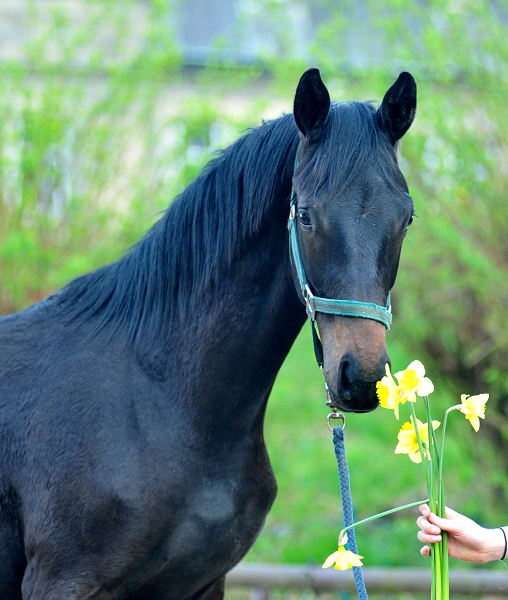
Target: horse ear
312,104
398,108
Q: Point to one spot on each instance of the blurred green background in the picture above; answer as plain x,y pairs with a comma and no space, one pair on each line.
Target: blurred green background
107,113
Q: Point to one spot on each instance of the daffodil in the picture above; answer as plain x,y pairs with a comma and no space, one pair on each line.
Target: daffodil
412,381
343,559
414,439
388,392
474,408
408,439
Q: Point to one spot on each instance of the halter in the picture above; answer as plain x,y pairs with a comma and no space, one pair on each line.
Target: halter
313,304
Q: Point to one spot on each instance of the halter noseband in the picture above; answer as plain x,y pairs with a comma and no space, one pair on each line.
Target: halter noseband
345,308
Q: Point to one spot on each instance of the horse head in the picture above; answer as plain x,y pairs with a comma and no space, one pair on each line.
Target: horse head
351,213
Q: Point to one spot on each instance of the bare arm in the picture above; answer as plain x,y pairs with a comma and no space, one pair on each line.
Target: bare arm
467,540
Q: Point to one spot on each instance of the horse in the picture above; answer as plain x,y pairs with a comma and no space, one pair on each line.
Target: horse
132,459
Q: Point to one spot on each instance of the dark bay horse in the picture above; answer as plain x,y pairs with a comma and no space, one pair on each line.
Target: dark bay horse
132,460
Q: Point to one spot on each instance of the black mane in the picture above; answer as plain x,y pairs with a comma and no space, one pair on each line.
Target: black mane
204,229
201,232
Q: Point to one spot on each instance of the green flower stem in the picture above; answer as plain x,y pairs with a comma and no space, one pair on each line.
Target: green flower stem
429,473
445,578
427,465
439,550
382,514
432,434
420,445
437,582
440,568
441,507
441,512
428,476
434,456
432,478
435,549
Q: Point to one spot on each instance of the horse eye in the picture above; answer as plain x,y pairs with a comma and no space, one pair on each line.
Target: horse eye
304,217
410,220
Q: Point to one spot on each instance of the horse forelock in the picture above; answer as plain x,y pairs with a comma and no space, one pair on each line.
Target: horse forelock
352,143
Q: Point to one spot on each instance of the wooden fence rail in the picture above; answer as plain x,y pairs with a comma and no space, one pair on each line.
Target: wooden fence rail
262,578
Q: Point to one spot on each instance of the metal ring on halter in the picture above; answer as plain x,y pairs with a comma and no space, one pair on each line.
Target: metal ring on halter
335,415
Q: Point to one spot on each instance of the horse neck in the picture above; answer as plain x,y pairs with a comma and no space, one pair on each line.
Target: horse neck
243,330
234,335
209,292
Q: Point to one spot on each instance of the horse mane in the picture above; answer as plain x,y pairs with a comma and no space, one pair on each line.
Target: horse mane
205,227
200,234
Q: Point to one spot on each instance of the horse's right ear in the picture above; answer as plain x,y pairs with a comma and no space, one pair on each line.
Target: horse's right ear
312,104
398,108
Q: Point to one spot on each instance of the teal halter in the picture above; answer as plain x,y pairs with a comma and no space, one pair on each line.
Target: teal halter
314,304
345,308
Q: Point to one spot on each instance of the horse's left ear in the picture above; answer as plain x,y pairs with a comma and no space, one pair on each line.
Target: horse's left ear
312,104
398,108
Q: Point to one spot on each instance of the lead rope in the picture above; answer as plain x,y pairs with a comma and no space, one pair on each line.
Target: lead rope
347,502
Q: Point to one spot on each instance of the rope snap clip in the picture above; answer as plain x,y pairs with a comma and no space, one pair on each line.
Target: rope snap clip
336,415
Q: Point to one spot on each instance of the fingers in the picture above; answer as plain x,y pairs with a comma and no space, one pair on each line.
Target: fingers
427,526
450,513
425,551
429,533
450,524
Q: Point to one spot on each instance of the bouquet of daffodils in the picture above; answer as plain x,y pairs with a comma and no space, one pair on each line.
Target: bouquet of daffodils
418,440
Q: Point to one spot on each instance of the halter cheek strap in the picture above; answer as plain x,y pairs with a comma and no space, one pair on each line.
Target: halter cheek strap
313,304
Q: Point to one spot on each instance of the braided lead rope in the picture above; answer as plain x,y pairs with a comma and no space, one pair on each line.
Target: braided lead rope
347,506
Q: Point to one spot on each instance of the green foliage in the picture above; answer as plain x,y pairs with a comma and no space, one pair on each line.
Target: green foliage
102,126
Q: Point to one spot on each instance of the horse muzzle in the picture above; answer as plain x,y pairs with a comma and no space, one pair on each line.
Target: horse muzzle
354,396
355,356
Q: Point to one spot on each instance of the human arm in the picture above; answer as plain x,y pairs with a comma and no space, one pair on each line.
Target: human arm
467,540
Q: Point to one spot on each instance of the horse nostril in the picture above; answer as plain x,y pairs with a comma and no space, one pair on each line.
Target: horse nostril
356,386
344,381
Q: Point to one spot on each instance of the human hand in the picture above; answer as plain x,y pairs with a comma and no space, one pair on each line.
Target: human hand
467,540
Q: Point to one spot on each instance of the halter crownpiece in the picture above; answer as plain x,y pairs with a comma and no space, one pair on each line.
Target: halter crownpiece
313,304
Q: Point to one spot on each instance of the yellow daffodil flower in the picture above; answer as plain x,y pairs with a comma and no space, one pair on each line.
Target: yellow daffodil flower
408,441
474,408
412,381
343,559
388,393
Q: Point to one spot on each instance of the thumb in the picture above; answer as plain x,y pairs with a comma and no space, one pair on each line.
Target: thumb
445,524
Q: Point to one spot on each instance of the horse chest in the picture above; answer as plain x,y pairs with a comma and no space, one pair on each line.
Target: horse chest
224,512
166,534
213,527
